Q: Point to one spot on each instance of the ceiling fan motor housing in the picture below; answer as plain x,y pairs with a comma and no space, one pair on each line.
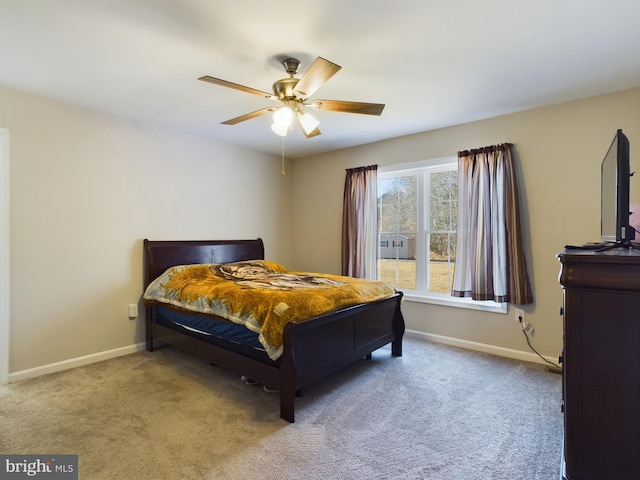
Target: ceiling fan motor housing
291,65
283,88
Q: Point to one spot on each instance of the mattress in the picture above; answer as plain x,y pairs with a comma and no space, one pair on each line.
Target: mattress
218,332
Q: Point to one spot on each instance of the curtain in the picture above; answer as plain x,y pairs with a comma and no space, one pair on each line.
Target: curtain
490,261
360,222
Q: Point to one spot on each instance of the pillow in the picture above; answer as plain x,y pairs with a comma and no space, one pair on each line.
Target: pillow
247,270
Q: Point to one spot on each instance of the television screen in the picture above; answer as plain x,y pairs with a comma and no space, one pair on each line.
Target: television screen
615,179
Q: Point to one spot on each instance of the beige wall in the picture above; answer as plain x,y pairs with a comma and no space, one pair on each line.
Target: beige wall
558,154
85,189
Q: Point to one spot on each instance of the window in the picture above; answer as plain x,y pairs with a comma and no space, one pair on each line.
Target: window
417,216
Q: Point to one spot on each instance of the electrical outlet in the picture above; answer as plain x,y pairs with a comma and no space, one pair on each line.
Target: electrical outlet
133,311
520,317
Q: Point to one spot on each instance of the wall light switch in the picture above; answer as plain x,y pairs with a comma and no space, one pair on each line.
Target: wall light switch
133,310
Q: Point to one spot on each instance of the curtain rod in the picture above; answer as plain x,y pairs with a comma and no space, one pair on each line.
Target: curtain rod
489,149
362,169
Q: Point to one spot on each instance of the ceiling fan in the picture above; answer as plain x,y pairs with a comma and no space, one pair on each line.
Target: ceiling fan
293,93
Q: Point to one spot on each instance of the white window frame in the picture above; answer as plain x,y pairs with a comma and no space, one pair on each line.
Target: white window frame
421,295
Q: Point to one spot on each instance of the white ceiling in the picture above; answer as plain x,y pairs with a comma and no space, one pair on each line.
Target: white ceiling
434,63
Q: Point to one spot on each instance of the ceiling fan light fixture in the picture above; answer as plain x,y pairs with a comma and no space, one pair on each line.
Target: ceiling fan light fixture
279,129
308,122
282,117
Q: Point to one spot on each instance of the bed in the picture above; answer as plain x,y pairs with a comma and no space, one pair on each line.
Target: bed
310,349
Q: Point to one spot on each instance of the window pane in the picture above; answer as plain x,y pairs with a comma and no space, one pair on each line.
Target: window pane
440,216
440,265
397,223
387,192
443,199
388,218
444,185
396,260
407,206
397,204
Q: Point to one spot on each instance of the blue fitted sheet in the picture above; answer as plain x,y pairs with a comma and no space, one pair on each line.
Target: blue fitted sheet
202,326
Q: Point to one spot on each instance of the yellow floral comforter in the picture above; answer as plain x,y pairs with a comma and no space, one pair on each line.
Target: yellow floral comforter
261,295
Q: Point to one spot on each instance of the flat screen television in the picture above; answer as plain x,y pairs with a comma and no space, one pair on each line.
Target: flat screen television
616,174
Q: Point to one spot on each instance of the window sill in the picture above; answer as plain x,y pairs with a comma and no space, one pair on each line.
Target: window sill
455,302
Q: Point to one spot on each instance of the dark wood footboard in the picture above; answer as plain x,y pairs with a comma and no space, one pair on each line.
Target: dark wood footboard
320,346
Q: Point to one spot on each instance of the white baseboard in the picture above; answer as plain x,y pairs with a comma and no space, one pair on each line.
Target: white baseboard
75,362
482,347
118,352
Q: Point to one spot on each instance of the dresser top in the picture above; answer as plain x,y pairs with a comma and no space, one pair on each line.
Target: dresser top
611,252
614,269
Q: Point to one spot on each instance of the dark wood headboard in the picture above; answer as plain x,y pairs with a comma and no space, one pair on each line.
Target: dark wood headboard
162,254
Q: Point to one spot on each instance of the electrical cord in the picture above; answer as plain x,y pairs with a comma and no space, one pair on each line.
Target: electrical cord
534,350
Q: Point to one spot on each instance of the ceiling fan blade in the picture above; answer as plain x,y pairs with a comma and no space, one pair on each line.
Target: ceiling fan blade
348,107
318,73
236,86
313,133
248,116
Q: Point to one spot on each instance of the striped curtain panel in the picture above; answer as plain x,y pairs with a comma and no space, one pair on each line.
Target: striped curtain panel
360,222
490,262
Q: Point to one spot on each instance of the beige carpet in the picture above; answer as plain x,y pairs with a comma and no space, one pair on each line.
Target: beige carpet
436,413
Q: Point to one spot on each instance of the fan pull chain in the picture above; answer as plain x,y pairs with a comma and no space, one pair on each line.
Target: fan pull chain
282,172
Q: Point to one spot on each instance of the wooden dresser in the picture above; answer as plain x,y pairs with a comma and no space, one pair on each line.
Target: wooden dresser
601,364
